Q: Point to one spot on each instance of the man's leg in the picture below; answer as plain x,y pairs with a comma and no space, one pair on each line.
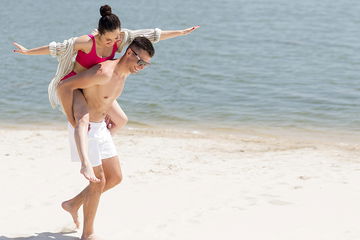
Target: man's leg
91,202
113,176
112,171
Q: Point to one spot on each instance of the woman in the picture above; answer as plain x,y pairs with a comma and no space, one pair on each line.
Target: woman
90,50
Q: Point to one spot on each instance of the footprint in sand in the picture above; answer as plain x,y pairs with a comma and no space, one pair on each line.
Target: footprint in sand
304,177
279,202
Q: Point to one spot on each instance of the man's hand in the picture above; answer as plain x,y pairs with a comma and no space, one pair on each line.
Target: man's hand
109,123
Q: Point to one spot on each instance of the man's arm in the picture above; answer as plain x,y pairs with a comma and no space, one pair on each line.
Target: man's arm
96,75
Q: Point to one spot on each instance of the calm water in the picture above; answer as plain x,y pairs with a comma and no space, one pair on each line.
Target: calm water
267,63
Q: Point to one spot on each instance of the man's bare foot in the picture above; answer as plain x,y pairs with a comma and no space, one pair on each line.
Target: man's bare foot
91,237
88,173
73,212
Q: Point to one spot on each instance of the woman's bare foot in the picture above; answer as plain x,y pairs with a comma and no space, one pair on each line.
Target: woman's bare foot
73,212
88,173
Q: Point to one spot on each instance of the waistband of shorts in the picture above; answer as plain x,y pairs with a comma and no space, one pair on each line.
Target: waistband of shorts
95,124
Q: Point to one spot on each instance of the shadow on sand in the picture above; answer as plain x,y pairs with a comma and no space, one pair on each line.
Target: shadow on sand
44,236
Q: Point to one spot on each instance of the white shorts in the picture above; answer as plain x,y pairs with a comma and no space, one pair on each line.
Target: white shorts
100,143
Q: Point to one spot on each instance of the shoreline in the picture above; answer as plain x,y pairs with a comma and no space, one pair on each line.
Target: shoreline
335,137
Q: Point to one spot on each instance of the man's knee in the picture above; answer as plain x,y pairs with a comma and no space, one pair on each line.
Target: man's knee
98,186
114,180
118,179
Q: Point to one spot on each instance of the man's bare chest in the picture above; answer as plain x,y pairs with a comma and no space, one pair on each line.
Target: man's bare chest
104,94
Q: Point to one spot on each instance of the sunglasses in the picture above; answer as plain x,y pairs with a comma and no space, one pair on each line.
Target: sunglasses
140,62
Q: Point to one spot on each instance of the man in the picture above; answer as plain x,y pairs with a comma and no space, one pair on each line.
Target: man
101,85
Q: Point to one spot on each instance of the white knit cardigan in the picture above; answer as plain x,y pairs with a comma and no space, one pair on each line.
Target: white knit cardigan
66,55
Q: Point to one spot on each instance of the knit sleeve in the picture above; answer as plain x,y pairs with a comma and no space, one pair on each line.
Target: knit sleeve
57,49
152,34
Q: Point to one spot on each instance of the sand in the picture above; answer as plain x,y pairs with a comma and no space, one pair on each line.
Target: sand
181,184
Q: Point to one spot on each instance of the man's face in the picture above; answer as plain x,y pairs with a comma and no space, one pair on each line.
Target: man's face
139,59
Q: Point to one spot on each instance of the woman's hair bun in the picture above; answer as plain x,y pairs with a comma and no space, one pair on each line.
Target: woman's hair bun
105,10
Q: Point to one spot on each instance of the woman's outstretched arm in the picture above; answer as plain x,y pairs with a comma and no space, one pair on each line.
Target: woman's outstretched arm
54,48
44,50
166,34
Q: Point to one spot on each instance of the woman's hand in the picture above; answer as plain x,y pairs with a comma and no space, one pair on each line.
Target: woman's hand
189,30
20,49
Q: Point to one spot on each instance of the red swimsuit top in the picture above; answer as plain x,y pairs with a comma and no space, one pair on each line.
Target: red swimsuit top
87,60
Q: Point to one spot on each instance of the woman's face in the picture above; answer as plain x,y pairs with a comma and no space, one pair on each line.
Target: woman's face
109,38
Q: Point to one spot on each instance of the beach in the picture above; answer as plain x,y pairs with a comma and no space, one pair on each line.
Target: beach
248,128
183,184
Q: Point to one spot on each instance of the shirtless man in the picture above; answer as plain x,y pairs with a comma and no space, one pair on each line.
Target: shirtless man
101,85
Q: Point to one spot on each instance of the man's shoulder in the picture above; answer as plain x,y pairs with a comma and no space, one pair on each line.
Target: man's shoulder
106,69
109,64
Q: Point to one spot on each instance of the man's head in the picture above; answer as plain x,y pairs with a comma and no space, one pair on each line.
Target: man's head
139,54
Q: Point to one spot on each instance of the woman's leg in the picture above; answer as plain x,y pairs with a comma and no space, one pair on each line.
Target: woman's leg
81,115
66,101
118,118
79,119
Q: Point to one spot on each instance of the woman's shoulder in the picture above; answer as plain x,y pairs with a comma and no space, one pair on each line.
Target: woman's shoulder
83,43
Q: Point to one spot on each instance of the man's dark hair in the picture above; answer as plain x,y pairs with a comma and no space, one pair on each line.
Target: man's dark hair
144,44
108,21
